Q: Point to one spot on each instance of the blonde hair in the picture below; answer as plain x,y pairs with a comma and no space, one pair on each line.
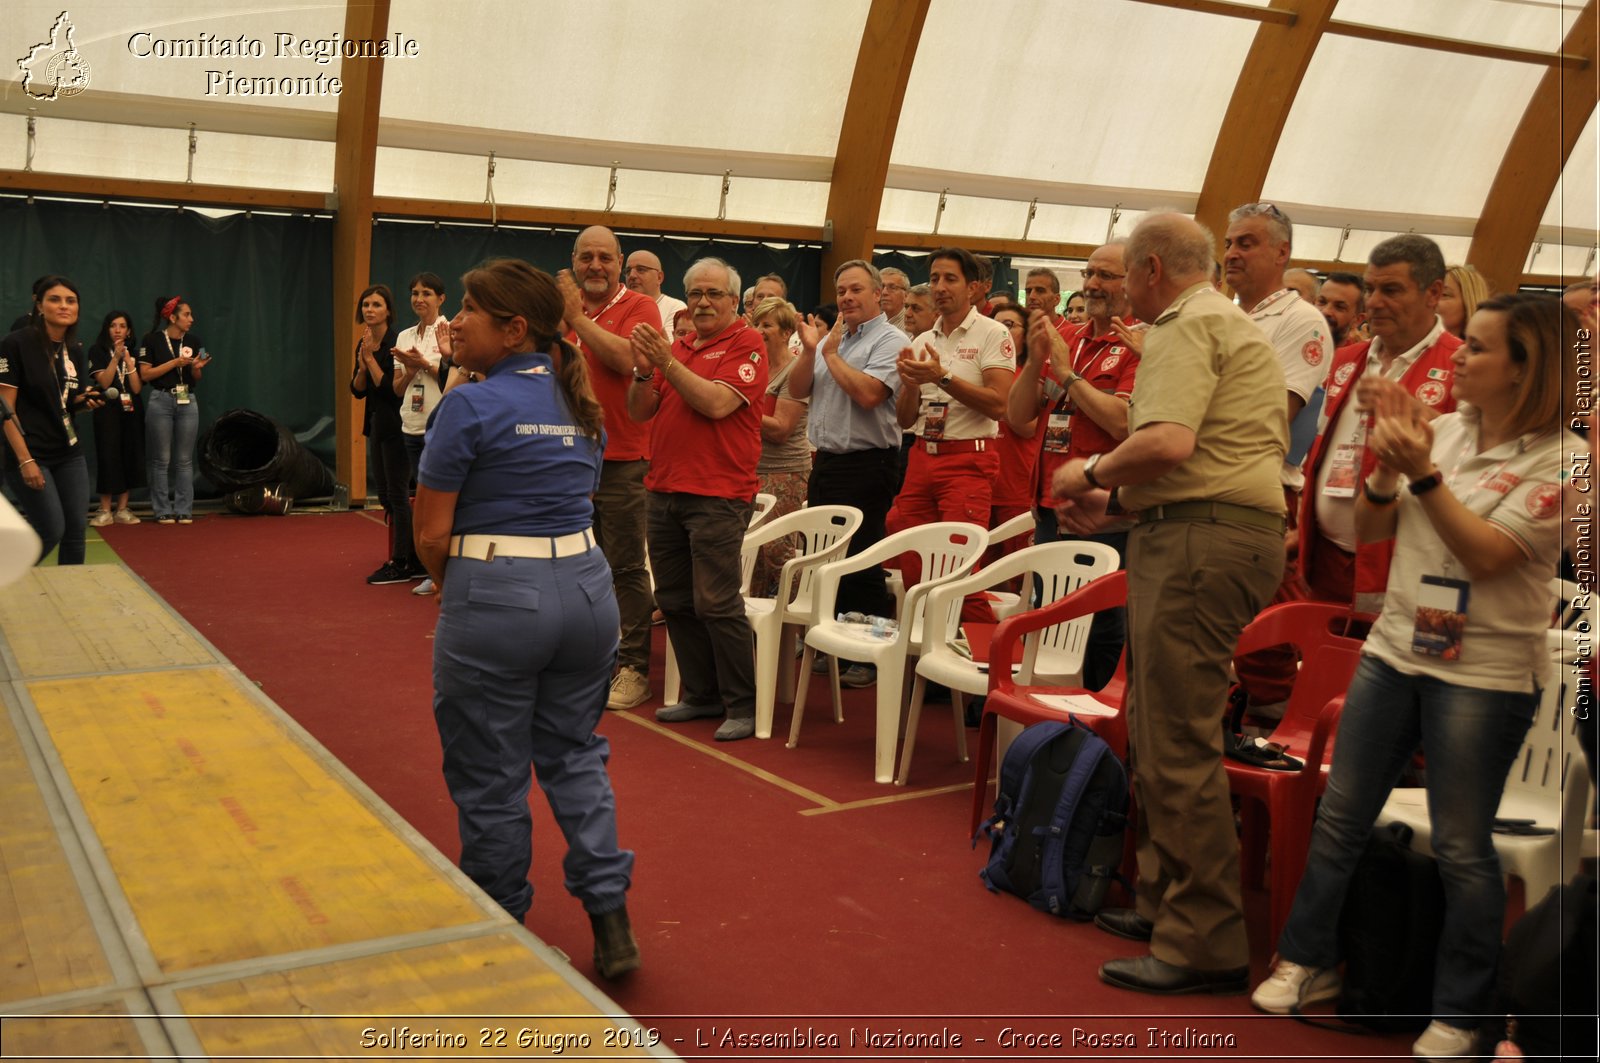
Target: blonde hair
778,309
1473,287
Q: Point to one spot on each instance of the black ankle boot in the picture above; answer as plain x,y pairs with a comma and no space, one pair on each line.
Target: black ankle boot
615,951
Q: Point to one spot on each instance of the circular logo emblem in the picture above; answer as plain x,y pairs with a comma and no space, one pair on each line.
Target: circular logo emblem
747,372
68,73
1544,501
1342,375
1431,393
1312,353
1111,362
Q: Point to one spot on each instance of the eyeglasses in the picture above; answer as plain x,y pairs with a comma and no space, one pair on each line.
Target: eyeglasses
643,269
895,288
1090,274
1265,208
713,294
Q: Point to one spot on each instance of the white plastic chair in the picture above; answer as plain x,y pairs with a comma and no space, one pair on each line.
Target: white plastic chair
671,684
1548,784
948,551
1005,602
1052,654
823,534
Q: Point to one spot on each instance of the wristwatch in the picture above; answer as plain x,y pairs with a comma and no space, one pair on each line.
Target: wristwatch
1088,472
645,378
1426,484
944,381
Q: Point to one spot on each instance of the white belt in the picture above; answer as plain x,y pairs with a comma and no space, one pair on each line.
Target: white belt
489,547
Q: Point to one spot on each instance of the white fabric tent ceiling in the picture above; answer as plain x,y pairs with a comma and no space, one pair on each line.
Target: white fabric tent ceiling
1083,105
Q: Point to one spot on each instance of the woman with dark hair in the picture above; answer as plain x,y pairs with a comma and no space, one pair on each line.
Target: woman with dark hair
373,381
1456,659
171,361
119,424
43,379
528,623
1077,308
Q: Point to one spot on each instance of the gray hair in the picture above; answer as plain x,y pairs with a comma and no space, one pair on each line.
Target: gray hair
1277,221
1418,252
918,290
898,272
872,271
1041,271
1184,246
700,263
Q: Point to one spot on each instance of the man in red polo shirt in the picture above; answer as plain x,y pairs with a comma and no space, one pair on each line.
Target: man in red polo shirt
1403,281
1072,395
702,394
600,316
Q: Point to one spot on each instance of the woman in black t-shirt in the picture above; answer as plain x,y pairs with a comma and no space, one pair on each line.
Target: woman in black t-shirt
119,424
373,380
43,378
171,362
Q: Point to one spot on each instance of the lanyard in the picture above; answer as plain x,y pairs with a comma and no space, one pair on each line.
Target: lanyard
596,315
173,350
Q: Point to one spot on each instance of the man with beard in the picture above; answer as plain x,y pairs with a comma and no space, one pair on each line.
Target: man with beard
1341,303
600,317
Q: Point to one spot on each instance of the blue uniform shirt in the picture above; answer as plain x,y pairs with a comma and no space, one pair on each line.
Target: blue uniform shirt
837,425
511,450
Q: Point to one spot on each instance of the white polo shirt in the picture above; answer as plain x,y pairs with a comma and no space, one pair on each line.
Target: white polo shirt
423,393
1299,334
978,343
1517,488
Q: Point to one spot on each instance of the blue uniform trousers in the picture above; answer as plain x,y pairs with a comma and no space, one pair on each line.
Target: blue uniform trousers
522,662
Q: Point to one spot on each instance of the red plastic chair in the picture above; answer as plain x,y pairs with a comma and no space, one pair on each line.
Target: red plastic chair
1020,702
1287,799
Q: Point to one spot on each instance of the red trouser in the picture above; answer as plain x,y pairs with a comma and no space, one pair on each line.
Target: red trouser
942,487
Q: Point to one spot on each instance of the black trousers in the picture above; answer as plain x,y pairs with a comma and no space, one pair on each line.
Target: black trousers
866,479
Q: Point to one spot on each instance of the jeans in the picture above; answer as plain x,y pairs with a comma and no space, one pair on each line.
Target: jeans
1471,737
390,471
1109,628
866,479
169,431
58,512
413,445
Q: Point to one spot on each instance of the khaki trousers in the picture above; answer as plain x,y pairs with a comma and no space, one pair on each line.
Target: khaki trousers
1192,587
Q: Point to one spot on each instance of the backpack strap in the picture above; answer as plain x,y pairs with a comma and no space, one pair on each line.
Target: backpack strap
1014,771
1052,885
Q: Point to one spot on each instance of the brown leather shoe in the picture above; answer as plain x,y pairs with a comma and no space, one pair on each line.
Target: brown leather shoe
615,951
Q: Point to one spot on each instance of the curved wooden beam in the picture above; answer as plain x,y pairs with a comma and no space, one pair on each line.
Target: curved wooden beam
866,136
1262,97
1537,155
354,160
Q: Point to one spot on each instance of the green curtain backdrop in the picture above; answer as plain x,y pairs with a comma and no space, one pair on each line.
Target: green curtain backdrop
258,284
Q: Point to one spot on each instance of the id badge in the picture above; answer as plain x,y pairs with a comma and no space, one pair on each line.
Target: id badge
1441,617
1058,434
1346,462
416,399
127,402
72,435
933,422
180,394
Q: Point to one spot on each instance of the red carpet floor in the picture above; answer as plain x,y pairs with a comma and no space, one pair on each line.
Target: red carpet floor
749,899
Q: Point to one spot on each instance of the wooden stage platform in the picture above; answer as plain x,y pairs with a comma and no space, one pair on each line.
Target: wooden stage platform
188,874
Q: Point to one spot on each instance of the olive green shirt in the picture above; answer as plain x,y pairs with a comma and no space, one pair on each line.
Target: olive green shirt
1207,367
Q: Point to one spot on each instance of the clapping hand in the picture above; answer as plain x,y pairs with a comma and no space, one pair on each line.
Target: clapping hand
651,350
441,336
1131,335
1401,435
571,298
1086,513
920,369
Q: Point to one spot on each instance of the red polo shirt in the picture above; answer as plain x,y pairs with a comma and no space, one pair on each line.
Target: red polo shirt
1065,432
626,439
695,455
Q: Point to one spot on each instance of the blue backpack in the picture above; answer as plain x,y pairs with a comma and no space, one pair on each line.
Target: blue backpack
1056,836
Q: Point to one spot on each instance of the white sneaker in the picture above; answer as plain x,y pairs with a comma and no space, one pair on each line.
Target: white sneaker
425,587
1443,1041
125,516
1291,985
629,688
101,518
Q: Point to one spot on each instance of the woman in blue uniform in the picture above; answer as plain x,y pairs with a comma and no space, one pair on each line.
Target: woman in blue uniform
528,625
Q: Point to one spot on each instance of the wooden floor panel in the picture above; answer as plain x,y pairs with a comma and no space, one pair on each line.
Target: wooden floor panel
47,939
228,838
86,619
103,1030
509,1002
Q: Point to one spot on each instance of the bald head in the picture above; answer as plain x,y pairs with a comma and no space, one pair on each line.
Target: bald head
597,263
644,273
1166,255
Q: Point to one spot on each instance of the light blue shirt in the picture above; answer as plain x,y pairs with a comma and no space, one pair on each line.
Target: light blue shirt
837,424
